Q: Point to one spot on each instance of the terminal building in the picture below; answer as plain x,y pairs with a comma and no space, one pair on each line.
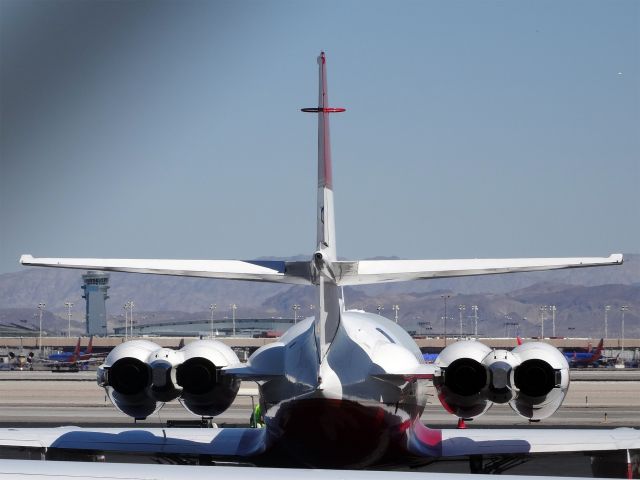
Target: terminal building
95,289
244,327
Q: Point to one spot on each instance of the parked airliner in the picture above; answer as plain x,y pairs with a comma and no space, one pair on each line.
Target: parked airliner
584,359
74,360
344,388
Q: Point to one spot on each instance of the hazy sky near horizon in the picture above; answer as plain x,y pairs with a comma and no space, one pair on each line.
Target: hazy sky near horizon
172,129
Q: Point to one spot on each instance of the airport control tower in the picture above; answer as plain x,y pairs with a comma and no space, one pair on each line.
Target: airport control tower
95,289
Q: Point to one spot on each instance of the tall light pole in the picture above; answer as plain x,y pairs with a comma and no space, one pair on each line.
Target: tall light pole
234,307
445,298
212,307
475,319
462,308
125,307
131,305
553,321
543,309
41,306
69,305
623,309
295,308
395,309
606,321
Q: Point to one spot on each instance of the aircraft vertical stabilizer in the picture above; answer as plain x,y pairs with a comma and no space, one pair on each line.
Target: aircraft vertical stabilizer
329,294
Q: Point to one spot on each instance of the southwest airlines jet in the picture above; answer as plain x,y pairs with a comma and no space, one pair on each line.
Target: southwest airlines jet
342,389
585,359
73,360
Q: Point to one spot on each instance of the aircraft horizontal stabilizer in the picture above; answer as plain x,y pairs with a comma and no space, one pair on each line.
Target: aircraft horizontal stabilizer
383,271
252,270
346,272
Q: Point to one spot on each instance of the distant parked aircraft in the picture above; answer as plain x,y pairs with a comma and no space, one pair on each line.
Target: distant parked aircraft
583,359
430,357
75,359
18,361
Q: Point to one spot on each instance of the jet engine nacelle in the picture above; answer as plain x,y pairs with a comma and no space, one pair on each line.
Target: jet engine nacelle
463,379
533,378
126,377
206,391
139,377
542,380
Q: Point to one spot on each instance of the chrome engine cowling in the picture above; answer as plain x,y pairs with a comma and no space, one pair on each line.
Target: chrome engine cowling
533,378
126,377
139,377
542,380
206,391
463,379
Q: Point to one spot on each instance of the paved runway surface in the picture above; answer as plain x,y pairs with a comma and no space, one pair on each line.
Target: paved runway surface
603,400
46,398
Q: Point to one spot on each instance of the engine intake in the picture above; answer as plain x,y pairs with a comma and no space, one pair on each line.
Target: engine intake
542,380
466,377
206,391
129,376
126,377
463,379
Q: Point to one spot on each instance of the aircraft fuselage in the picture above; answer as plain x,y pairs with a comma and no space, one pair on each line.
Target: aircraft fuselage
352,408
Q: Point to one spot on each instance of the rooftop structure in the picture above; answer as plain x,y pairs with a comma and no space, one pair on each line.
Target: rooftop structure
16,330
245,327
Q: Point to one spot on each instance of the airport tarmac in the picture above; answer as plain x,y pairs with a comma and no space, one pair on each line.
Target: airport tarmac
604,400
608,399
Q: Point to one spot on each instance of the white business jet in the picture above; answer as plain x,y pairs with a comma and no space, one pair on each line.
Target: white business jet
343,389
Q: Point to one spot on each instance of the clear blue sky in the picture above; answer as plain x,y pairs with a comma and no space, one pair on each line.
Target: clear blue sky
173,130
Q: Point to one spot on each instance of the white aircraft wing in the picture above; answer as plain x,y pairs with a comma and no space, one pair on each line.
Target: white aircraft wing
489,441
217,442
39,470
253,270
238,443
463,442
382,271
